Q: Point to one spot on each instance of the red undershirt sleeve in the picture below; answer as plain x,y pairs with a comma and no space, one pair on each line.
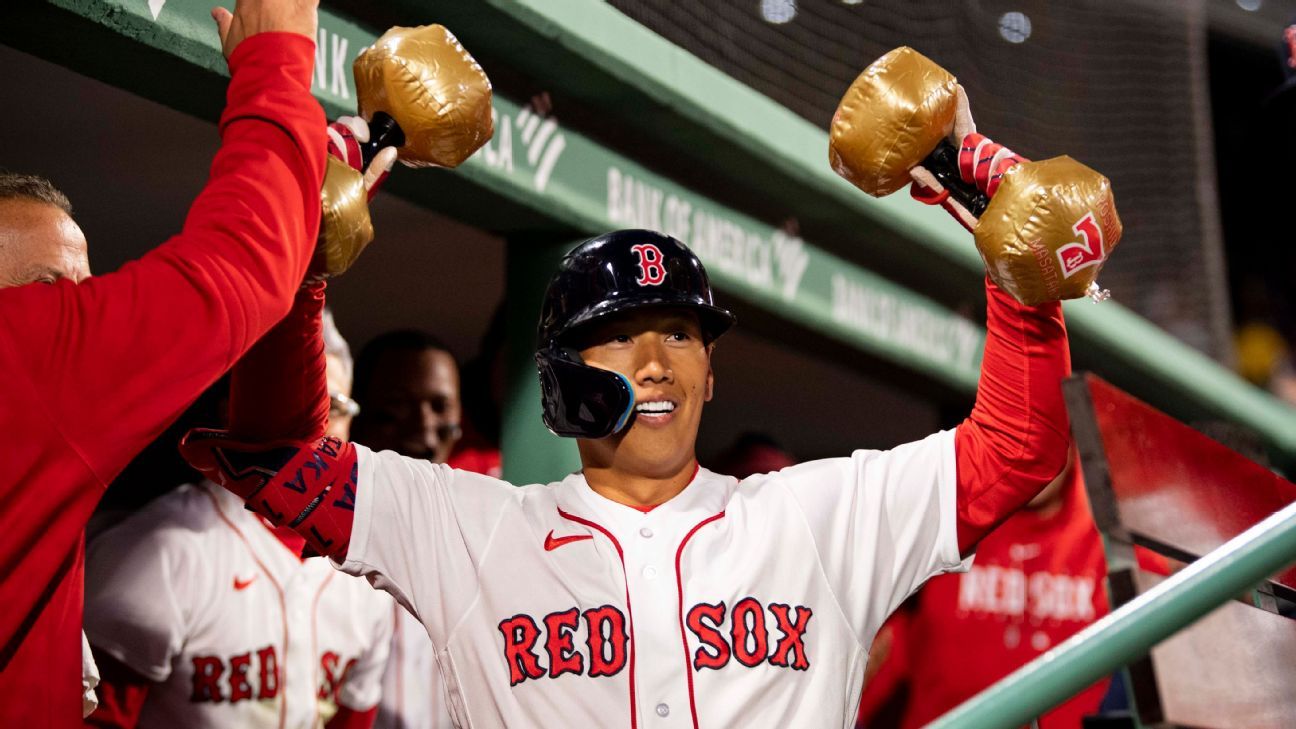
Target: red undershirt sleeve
279,390
1016,439
118,357
122,693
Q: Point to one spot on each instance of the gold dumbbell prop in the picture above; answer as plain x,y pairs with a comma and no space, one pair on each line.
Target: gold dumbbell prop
419,91
1044,229
422,92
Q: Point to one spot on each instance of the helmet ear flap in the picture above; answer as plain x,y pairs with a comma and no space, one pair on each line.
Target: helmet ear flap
580,401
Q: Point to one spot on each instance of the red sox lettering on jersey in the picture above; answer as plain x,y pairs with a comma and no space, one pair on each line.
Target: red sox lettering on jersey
255,674
1040,595
532,651
733,604
236,678
747,639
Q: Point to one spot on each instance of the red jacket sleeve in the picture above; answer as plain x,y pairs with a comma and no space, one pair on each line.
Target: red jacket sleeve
118,357
1015,441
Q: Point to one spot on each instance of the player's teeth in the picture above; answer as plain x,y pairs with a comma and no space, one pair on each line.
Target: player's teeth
655,407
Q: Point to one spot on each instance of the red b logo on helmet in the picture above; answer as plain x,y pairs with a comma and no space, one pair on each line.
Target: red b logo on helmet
651,271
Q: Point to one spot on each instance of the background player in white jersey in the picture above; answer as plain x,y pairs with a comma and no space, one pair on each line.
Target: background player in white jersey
407,387
204,615
644,590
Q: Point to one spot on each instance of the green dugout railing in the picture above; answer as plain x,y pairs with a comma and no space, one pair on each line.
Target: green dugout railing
1130,631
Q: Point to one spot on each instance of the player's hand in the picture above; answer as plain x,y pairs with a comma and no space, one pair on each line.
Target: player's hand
346,229
264,16
344,139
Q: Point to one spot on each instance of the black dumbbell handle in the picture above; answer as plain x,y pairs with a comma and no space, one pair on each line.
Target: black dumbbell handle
943,164
383,132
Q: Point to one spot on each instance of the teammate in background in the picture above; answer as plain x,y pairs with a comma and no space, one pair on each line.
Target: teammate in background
95,368
202,614
407,387
644,590
1038,579
339,370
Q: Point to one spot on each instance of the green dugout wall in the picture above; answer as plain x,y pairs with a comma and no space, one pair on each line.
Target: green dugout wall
872,276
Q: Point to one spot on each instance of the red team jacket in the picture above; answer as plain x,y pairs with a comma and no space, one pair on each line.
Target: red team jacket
94,372
1037,580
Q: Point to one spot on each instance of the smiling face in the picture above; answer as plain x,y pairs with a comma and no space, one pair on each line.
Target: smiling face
662,353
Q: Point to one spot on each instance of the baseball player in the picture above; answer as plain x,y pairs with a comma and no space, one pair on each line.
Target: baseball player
644,590
204,615
223,624
408,388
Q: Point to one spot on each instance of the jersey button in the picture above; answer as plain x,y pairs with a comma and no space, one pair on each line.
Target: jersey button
663,710
650,572
646,533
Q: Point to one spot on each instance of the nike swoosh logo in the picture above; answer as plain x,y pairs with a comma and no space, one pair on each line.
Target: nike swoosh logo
243,584
551,544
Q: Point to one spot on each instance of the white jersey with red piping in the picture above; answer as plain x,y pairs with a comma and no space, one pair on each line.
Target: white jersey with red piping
745,603
196,594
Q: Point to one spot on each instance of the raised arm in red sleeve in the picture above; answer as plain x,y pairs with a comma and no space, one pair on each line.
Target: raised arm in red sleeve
279,390
95,371
1015,441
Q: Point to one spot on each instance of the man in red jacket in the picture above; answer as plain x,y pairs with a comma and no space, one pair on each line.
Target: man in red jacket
96,367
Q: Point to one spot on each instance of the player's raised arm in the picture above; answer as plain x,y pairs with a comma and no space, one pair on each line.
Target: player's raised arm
439,115
273,455
1044,230
1016,439
142,342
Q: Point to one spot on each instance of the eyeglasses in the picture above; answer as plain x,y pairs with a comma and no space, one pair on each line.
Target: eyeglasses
340,405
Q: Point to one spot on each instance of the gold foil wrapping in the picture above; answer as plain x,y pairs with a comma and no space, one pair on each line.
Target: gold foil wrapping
434,90
891,117
1048,230
345,228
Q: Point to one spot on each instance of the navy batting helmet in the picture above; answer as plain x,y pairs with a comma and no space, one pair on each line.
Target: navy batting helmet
615,272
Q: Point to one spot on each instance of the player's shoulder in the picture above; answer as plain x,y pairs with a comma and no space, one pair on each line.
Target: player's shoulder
802,475
468,489
929,451
390,465
828,475
176,517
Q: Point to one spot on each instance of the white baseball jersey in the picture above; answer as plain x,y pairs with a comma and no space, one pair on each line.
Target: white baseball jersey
195,593
413,694
735,604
